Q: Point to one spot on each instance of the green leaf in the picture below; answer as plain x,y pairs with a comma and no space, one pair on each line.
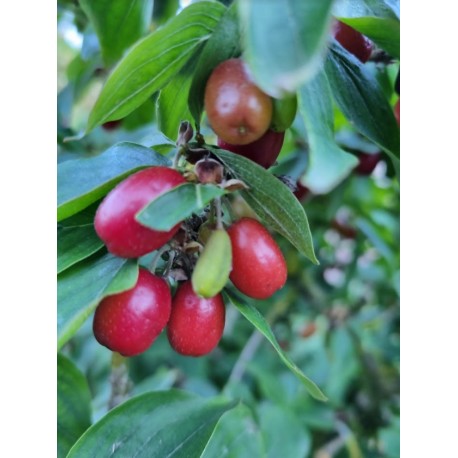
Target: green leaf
161,424
222,45
80,73
259,322
282,432
284,41
153,61
81,288
175,205
172,105
272,201
118,23
83,218
362,101
75,244
164,10
142,116
81,182
388,9
73,405
236,436
384,32
328,164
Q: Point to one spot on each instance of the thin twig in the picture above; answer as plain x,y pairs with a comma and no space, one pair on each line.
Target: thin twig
245,356
169,264
176,159
255,341
157,256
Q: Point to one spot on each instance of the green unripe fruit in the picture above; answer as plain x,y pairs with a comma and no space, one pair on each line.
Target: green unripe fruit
284,112
213,266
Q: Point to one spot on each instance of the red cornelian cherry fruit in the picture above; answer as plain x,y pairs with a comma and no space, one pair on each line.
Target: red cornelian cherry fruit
129,322
196,324
367,163
258,266
353,41
263,151
115,221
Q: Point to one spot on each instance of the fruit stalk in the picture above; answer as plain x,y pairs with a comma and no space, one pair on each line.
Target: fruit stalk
119,380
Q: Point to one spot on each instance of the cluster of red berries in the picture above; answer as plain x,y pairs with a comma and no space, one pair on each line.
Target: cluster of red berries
248,122
130,321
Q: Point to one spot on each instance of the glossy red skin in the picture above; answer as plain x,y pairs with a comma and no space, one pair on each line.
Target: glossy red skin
115,220
196,324
397,111
263,151
258,266
367,163
353,41
129,322
237,110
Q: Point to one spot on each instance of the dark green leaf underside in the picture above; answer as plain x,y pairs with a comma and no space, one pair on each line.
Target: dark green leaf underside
361,99
160,424
73,405
283,431
272,201
236,436
75,244
328,164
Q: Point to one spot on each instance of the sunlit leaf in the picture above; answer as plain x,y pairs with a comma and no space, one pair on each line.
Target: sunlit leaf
118,23
152,62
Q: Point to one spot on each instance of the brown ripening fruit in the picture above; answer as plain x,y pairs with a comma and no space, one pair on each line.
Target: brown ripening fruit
237,110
